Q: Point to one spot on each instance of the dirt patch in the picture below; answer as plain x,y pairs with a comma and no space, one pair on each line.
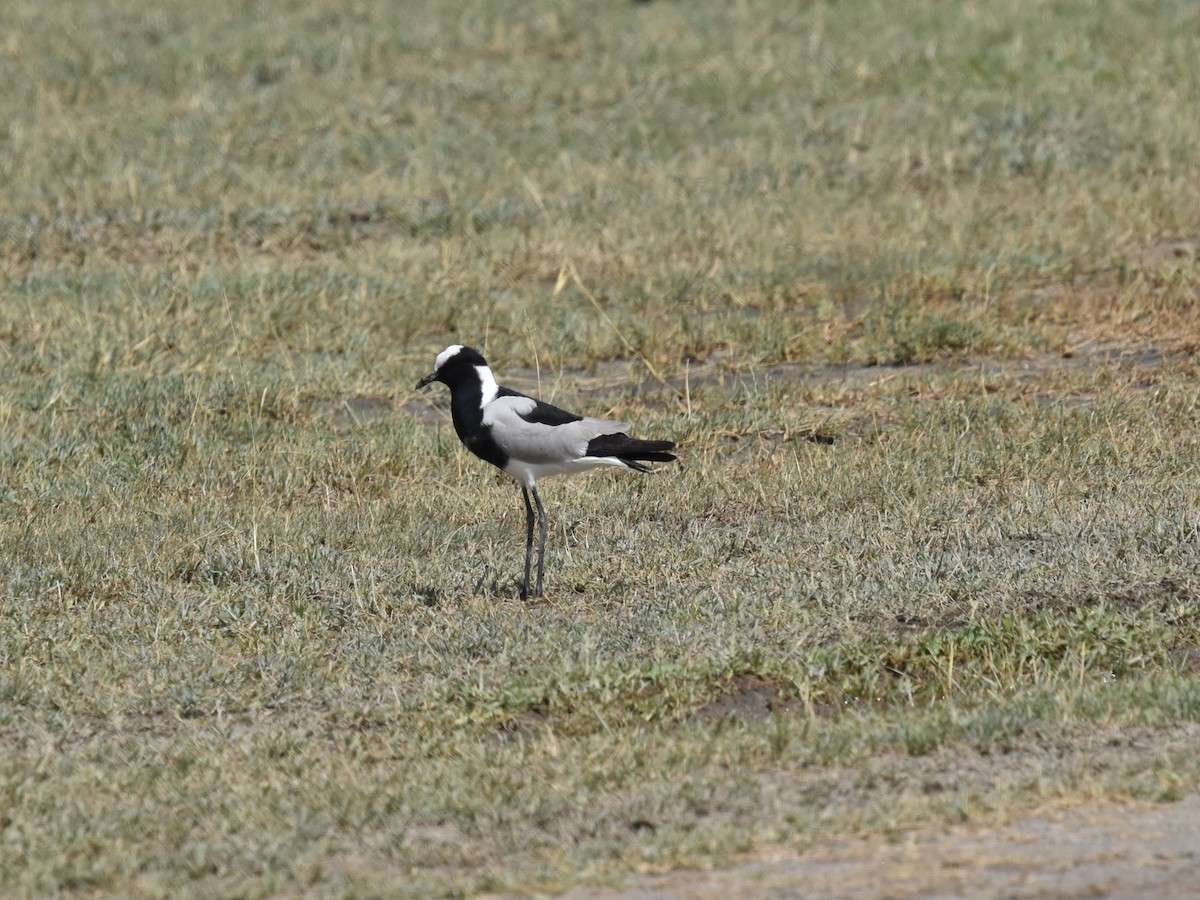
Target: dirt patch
1063,848
1160,596
1187,658
1170,253
749,698
528,724
1085,850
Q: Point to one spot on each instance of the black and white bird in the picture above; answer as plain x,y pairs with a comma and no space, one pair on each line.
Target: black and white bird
529,439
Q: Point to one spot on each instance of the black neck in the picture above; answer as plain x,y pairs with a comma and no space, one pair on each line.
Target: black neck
466,411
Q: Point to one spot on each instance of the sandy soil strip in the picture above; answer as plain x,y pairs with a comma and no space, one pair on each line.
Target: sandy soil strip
1088,850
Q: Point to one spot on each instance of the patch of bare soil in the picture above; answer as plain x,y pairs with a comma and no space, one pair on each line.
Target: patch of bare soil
1169,253
749,698
1067,848
1099,849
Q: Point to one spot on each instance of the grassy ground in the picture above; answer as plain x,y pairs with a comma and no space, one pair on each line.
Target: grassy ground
916,291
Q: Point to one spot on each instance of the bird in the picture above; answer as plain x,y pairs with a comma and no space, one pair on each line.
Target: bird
530,439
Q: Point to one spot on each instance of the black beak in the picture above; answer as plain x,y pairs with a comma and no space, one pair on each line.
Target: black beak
432,376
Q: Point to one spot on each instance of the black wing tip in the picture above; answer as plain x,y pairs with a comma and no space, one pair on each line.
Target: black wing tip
652,456
653,451
629,450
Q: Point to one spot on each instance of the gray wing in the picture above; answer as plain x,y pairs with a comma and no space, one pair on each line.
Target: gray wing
538,442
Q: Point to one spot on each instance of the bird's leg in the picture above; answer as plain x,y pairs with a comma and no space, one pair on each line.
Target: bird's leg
542,540
528,541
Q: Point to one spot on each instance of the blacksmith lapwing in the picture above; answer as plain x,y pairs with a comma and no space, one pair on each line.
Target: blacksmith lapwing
530,439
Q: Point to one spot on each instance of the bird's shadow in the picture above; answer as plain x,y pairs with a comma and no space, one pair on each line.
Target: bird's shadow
487,585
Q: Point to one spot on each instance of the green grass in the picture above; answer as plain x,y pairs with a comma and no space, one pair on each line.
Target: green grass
902,284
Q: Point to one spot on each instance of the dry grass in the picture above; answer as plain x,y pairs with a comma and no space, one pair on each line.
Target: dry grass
917,293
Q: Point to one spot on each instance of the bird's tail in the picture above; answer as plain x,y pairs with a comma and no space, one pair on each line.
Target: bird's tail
631,451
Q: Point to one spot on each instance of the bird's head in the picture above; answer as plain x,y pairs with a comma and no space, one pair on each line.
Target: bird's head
453,364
